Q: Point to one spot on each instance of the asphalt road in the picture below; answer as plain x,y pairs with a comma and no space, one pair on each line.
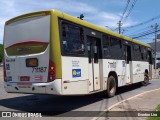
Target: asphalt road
62,105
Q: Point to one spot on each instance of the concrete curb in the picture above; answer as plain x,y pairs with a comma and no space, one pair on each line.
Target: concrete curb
126,100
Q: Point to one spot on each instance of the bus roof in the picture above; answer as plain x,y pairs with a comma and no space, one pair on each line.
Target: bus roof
78,21
97,28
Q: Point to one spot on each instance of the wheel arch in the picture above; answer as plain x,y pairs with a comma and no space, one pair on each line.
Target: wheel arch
113,73
146,71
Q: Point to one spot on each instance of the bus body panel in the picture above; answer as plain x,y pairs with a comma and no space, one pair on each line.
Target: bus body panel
41,88
27,48
76,88
117,66
55,47
54,87
138,70
16,68
74,75
124,72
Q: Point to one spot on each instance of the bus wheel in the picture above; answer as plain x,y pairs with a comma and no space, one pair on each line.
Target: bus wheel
146,80
111,86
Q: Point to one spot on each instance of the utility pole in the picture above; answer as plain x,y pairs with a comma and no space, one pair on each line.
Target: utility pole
155,27
119,26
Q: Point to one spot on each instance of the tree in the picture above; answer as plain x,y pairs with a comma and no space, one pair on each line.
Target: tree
1,53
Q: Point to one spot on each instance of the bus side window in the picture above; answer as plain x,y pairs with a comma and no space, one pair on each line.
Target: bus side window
137,52
116,48
65,29
64,35
145,54
106,42
142,52
72,39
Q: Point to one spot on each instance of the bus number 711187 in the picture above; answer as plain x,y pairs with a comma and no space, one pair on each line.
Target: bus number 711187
39,69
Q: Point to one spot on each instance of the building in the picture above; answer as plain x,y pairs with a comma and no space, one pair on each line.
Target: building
157,53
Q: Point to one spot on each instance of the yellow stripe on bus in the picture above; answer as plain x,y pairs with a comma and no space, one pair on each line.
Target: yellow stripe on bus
55,50
94,27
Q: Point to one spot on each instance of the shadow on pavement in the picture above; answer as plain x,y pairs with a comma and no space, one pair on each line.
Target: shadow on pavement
129,88
56,105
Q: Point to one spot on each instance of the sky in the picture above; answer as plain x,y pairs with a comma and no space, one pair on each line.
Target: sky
103,13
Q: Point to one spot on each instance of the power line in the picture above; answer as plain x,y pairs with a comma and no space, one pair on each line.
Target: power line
137,31
125,9
112,29
145,38
129,11
145,22
140,33
149,33
146,34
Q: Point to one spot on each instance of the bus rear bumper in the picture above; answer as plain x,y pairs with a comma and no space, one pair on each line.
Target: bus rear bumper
33,88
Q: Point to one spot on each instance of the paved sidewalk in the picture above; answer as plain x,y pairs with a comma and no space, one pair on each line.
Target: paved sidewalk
145,102
156,74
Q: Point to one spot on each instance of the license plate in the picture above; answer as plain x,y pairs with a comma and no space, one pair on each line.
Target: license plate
24,84
32,62
24,78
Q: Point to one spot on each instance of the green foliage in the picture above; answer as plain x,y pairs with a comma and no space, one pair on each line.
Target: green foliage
156,118
1,52
158,107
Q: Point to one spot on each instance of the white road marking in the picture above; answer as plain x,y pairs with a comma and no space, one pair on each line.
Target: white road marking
95,118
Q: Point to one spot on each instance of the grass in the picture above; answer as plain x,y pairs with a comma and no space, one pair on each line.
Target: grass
156,118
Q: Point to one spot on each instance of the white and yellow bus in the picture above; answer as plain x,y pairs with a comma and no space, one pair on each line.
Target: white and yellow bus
50,52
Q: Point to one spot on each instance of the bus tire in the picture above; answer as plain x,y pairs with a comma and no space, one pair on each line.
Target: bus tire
111,86
146,80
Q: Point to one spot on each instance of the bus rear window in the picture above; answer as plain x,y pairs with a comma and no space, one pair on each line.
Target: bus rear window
27,36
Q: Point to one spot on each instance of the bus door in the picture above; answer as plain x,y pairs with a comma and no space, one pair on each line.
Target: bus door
128,64
93,45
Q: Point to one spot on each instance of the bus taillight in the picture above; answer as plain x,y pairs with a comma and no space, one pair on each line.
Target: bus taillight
51,71
4,72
